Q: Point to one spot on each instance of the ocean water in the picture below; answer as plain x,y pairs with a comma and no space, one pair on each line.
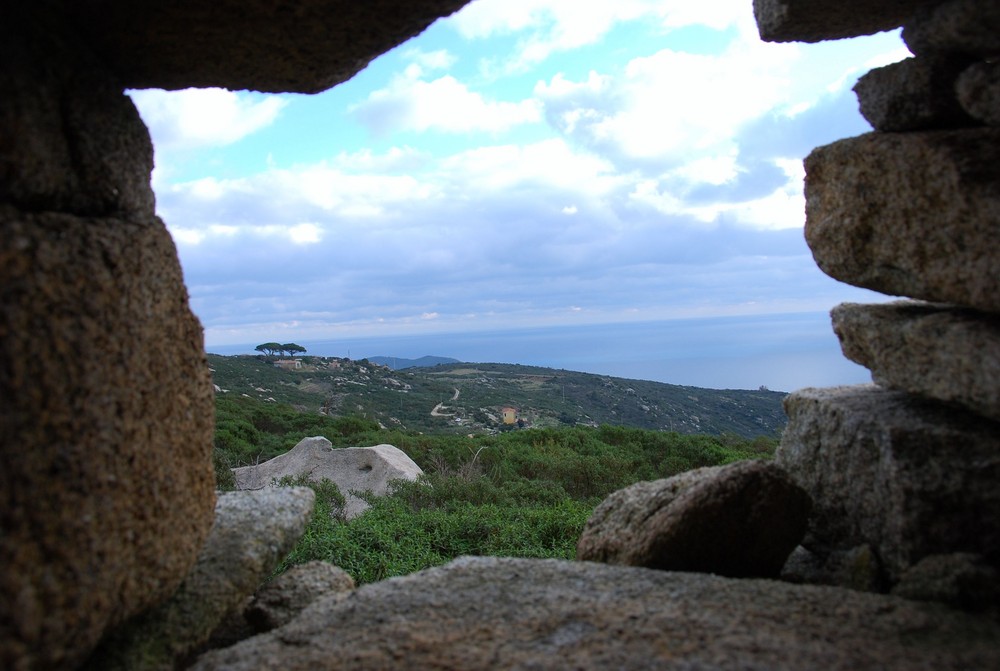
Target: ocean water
781,352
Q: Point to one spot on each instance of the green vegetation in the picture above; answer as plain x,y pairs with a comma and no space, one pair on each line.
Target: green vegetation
520,493
467,398
273,348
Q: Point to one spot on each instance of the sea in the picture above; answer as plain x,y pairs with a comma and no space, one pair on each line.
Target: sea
780,352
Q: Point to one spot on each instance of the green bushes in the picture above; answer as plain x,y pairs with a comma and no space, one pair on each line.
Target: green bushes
522,493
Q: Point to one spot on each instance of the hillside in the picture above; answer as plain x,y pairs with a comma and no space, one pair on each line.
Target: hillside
468,398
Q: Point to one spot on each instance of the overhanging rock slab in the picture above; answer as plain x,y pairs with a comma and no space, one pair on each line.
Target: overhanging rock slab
812,21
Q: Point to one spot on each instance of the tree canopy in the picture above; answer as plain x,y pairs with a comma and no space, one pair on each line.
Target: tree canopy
273,348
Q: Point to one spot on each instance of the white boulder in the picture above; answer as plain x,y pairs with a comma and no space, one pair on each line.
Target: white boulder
352,469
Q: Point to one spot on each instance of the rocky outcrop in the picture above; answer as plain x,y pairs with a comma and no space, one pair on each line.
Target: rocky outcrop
938,351
352,469
253,531
737,520
908,477
876,219
960,579
280,601
480,612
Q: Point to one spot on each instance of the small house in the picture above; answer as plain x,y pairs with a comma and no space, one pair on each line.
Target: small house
508,414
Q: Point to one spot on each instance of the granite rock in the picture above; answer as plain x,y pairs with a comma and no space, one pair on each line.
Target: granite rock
304,47
978,90
906,476
961,579
810,21
253,531
106,430
278,602
940,351
855,568
969,27
909,214
913,94
737,520
492,613
352,469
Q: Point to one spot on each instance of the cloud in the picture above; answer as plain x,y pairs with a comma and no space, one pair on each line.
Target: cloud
204,117
411,103
551,26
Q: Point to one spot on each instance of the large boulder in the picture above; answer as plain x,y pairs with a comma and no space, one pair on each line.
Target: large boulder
908,477
738,520
352,469
253,532
940,351
909,214
490,613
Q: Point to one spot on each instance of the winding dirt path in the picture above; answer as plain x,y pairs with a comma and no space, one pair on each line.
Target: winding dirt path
436,410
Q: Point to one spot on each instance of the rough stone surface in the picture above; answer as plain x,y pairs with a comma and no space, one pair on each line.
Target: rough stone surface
253,531
811,21
962,26
962,580
108,486
350,468
913,94
909,214
306,46
278,602
857,568
738,520
70,141
908,477
939,351
490,613
978,90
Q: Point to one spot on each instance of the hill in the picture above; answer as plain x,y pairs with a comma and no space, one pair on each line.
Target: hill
464,398
397,363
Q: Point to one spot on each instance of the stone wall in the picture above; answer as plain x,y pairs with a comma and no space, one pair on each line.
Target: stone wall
908,468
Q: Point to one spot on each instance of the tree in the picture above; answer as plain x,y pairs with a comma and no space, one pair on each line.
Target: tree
269,348
292,348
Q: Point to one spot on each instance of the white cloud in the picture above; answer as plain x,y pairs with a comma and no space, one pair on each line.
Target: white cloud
410,103
560,25
204,117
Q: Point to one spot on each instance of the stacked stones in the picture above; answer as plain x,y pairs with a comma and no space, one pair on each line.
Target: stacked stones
904,473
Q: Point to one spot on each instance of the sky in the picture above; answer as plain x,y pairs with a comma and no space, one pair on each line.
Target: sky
521,164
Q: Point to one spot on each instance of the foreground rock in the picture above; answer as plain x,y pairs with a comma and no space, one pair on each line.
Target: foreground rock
489,613
906,476
737,520
253,532
352,469
938,351
278,602
877,218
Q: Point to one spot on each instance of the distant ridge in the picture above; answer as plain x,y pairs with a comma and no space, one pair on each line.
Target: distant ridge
396,363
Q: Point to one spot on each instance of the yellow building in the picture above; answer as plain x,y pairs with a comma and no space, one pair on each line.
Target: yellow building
509,415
